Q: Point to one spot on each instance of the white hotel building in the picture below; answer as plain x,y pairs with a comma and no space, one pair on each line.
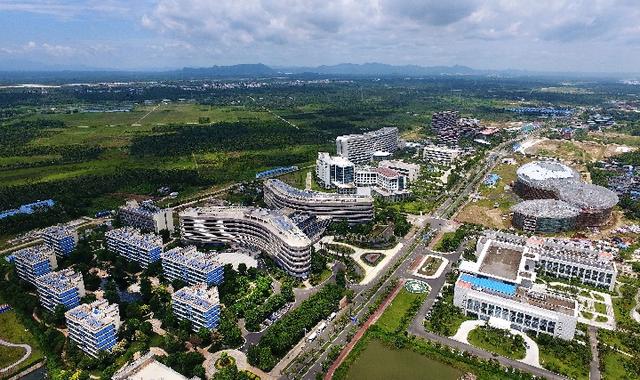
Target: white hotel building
333,171
134,245
265,230
440,155
500,284
192,266
94,326
359,148
65,287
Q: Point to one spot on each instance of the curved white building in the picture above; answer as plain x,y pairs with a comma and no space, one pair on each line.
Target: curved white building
352,208
267,230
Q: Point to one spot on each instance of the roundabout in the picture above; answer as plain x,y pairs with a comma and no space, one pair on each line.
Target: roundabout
416,286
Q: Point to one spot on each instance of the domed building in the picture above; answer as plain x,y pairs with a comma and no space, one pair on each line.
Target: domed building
564,193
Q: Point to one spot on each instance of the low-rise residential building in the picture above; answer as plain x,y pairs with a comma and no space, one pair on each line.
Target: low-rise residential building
333,171
93,327
34,262
147,367
197,304
63,240
64,287
146,216
192,266
134,245
440,155
409,170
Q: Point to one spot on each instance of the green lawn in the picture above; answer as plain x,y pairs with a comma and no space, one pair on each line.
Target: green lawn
570,359
616,366
600,307
12,330
391,319
9,355
498,341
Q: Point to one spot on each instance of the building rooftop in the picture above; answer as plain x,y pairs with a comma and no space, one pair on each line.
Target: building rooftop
94,316
501,261
547,170
191,257
546,208
588,196
198,296
58,231
389,173
310,195
135,237
35,254
376,133
147,368
60,281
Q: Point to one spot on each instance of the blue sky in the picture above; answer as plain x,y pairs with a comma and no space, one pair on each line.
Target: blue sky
549,35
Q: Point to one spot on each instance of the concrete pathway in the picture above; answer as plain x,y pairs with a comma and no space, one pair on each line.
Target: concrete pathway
27,349
464,330
594,367
370,272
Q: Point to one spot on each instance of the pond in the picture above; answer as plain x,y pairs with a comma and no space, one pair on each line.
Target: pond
378,361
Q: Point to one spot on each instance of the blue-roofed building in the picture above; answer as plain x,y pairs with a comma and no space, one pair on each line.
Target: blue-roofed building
28,208
491,179
192,267
197,304
65,287
34,262
134,245
93,327
63,240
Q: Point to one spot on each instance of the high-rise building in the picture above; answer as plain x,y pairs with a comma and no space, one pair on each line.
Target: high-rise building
134,245
265,230
333,171
146,216
192,266
62,240
34,262
359,148
198,305
93,327
445,125
64,287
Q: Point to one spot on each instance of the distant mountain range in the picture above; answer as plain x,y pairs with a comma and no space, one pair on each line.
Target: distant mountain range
20,72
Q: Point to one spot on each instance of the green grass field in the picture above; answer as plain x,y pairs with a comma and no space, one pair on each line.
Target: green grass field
391,318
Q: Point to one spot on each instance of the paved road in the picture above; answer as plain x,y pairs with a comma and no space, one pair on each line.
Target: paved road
27,349
594,367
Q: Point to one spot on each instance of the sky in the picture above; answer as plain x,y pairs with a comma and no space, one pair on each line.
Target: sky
537,35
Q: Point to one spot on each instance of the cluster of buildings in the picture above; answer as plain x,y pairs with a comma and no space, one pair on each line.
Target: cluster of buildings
624,180
449,127
501,284
556,199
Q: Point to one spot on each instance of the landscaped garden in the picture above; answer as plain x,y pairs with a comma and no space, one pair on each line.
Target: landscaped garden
430,266
498,341
372,258
568,358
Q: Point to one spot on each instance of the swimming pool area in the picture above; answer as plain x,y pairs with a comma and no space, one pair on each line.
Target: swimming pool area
489,284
